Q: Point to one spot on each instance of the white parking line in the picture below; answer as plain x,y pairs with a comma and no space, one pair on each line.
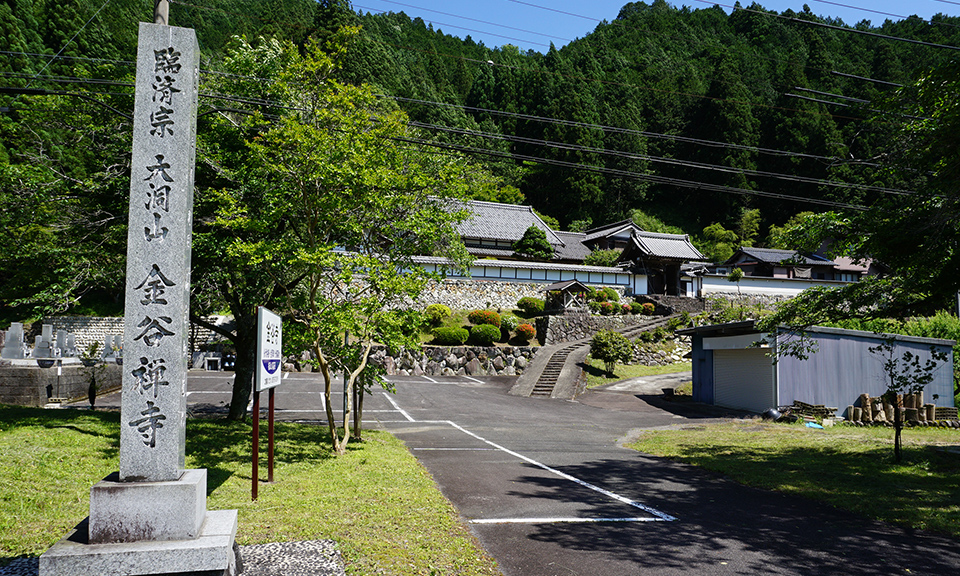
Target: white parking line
474,379
559,520
428,379
658,515
400,410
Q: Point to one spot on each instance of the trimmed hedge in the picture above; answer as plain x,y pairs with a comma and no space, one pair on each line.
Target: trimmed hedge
484,334
478,317
436,313
451,336
530,305
526,332
636,308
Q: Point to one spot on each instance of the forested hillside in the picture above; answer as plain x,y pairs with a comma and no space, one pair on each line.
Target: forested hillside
690,116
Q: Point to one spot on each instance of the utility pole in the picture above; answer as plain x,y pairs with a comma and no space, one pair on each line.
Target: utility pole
161,12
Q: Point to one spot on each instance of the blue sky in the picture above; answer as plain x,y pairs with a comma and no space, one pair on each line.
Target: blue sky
533,24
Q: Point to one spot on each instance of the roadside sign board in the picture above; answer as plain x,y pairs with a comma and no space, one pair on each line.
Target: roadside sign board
269,358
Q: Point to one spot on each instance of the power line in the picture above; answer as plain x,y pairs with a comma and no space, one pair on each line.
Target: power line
104,5
832,27
473,20
914,17
613,129
36,54
636,175
378,11
660,159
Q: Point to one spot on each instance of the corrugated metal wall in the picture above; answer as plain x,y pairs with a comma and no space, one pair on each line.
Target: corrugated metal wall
844,368
743,379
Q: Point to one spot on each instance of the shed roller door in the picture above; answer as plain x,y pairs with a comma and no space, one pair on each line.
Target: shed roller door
743,379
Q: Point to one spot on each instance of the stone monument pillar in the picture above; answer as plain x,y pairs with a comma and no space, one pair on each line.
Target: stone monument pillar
151,516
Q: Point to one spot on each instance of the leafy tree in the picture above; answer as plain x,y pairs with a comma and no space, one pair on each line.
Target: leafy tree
905,373
603,257
611,347
534,245
359,206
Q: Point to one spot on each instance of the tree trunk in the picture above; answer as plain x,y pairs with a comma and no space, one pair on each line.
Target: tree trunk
338,447
245,366
897,428
358,413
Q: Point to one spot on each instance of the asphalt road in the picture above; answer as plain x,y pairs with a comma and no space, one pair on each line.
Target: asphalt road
548,489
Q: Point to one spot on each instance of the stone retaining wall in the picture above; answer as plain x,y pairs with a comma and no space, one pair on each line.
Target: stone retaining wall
464,294
32,385
86,329
667,305
456,361
652,355
579,325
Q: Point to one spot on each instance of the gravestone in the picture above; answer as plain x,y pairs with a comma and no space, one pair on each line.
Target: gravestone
13,347
151,516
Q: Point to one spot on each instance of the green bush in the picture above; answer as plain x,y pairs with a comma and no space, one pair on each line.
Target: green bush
636,308
612,295
595,307
437,313
450,336
532,306
484,334
646,337
608,308
611,347
648,308
490,317
599,296
526,332
606,258
674,323
660,334
509,322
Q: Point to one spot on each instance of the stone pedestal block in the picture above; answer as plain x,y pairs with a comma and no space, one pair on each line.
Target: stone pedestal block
210,554
134,511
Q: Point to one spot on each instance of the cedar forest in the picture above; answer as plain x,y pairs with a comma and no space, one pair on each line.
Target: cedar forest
724,127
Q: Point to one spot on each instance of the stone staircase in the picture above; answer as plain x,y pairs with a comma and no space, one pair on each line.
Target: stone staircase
554,372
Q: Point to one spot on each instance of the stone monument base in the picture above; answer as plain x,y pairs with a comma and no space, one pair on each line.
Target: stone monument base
211,554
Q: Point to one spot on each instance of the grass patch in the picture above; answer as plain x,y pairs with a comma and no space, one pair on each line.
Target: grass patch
850,468
377,501
597,374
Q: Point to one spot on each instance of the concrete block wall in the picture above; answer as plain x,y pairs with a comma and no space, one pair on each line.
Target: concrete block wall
32,385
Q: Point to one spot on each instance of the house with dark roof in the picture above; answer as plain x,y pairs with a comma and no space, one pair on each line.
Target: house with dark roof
771,263
492,228
611,236
662,258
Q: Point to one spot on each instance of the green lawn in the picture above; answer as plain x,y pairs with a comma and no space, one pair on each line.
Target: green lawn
376,501
850,468
597,375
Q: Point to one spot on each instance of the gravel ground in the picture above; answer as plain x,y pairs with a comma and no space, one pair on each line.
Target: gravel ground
309,558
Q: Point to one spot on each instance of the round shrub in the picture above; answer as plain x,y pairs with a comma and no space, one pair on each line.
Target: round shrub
612,295
436,313
600,296
526,332
648,308
532,306
636,308
595,307
608,308
610,347
484,334
484,317
450,336
625,309
509,321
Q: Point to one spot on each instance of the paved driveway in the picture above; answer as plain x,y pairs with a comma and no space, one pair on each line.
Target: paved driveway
549,491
